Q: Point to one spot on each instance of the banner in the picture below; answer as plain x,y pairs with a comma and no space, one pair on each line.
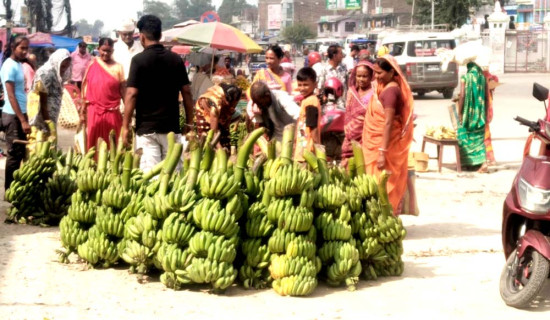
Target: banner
343,4
274,16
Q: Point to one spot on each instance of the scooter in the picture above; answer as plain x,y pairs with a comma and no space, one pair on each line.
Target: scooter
332,129
526,217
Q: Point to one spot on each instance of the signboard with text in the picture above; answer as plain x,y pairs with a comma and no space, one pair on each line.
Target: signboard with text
274,16
343,4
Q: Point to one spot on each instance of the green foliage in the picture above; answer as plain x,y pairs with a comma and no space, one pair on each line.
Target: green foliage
297,33
452,12
191,9
230,8
84,28
163,11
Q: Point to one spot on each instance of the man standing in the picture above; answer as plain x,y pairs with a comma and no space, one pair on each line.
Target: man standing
351,60
277,109
81,59
334,68
156,78
229,67
126,48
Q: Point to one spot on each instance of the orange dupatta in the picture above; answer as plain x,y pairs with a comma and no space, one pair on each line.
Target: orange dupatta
401,137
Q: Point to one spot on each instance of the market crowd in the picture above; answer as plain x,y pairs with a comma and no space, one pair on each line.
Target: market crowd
137,86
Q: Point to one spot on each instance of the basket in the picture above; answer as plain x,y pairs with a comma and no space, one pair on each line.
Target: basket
420,161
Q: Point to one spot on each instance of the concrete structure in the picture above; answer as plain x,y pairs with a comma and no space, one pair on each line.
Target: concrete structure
338,26
498,23
387,13
247,22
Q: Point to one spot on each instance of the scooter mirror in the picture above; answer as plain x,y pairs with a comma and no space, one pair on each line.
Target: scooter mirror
540,92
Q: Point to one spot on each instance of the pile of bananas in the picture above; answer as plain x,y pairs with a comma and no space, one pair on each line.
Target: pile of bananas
293,267
441,133
28,186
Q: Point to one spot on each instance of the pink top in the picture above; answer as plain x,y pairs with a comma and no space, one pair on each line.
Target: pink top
287,79
79,65
28,72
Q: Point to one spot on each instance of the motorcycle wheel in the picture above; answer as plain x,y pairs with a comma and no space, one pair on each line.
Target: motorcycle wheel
523,279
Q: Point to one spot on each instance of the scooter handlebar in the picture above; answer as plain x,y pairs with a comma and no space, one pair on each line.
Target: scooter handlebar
533,125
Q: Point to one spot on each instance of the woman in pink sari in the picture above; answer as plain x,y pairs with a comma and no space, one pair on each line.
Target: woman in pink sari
102,89
359,95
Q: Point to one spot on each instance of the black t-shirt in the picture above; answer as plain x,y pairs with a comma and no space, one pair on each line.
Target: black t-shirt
159,75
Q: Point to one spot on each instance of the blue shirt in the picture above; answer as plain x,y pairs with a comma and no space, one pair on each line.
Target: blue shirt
12,71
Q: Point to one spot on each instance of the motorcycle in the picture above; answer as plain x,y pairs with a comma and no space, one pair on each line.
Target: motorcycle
526,217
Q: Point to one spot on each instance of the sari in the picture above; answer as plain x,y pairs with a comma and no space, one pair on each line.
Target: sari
401,136
101,87
471,131
356,106
489,152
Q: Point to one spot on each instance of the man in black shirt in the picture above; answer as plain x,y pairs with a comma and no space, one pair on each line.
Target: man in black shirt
156,78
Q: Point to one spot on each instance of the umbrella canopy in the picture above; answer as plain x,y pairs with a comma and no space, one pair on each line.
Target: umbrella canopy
181,49
218,35
39,39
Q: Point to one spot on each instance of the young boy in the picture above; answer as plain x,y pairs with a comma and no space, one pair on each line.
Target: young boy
308,132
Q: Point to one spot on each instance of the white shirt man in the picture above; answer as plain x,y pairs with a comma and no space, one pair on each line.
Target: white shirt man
126,47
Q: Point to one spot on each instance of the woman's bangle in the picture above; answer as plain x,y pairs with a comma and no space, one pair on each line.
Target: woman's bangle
382,150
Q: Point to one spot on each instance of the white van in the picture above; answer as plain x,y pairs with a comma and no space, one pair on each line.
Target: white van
350,39
324,43
416,55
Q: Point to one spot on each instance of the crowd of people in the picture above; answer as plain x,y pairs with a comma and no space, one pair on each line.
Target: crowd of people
137,86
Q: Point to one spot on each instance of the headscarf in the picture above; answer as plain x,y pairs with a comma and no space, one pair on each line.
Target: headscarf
353,74
49,80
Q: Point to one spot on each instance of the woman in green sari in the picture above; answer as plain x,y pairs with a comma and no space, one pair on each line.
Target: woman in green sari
472,115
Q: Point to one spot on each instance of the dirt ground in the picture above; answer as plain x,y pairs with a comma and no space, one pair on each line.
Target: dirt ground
453,259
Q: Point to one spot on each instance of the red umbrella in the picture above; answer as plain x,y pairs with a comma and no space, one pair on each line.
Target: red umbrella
181,49
40,38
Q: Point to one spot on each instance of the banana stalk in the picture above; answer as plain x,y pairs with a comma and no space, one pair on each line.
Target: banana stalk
272,150
102,156
127,170
154,171
171,139
221,160
351,167
263,144
244,153
311,160
116,164
69,159
137,159
169,167
288,143
322,163
194,163
359,158
112,146
385,206
207,152
53,131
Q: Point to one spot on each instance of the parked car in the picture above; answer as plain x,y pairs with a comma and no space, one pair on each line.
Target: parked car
416,55
257,62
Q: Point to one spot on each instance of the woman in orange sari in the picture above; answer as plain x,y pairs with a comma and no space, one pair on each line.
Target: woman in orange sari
388,129
103,87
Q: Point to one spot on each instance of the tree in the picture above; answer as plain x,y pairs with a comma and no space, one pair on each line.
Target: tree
191,9
84,28
40,14
230,8
9,11
297,33
161,10
453,12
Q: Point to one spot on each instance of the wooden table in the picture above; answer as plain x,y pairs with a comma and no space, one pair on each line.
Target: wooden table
440,143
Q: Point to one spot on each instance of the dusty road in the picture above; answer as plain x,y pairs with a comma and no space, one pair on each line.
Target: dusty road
453,255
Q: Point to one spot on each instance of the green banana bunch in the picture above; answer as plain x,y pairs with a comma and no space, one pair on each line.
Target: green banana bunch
35,169
338,175
217,248
136,226
301,248
237,204
134,207
390,229
220,274
137,255
366,185
175,230
358,222
72,234
257,209
259,227
295,286
170,280
280,239
284,266
156,206
307,198
297,219
290,180
254,278
252,184
373,209
355,200
89,180
83,212
108,222
394,270
257,254
329,197
99,249
116,196
218,185
180,200
61,184
173,258
334,230
277,207
219,222
370,248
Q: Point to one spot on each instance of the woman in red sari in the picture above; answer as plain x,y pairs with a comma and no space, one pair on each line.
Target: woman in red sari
359,95
103,87
388,129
